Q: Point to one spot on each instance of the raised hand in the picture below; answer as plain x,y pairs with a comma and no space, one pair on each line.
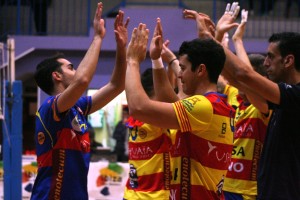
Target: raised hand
99,24
205,25
166,54
232,10
156,44
137,46
239,32
121,32
227,21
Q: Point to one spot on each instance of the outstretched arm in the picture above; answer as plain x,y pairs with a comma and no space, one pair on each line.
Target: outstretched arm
86,68
162,86
246,78
237,39
140,106
117,82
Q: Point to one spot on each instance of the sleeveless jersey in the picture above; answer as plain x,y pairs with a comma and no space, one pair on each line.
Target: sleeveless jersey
62,147
149,161
201,153
249,135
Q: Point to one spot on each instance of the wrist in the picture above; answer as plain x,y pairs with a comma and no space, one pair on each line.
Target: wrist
157,64
98,37
172,61
237,40
132,61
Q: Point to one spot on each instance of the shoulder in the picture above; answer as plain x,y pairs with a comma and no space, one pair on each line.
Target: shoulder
195,105
289,94
48,102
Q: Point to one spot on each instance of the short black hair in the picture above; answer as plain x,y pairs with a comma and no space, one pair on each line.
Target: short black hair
207,52
288,43
43,73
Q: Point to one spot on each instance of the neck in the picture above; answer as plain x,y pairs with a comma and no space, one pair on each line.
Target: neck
211,87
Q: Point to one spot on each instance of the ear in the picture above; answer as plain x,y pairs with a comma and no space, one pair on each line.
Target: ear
201,69
56,75
289,60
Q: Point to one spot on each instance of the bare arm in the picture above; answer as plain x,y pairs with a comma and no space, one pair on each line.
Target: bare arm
86,68
162,86
140,106
237,39
173,64
250,81
117,82
245,76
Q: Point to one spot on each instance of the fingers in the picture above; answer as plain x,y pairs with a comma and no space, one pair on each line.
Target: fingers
204,15
166,43
191,14
157,29
244,16
232,9
157,35
99,10
133,35
227,9
127,22
236,12
119,20
121,17
143,32
159,26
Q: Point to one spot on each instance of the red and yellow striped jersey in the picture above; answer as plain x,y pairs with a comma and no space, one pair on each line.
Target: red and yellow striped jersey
149,160
250,131
232,94
201,153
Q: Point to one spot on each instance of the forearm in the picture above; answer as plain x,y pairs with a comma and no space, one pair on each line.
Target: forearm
135,94
115,86
219,36
234,70
118,75
176,69
162,86
240,51
235,66
258,102
88,65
